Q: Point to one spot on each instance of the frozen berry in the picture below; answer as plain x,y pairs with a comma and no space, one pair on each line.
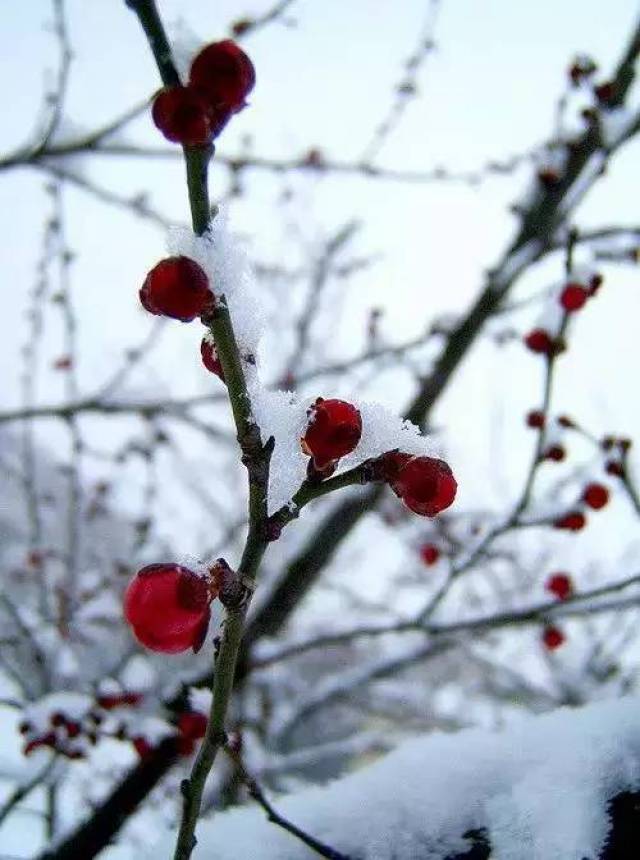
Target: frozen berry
560,585
426,485
334,430
224,73
184,115
552,637
573,297
176,287
429,553
596,496
574,521
535,419
210,358
167,606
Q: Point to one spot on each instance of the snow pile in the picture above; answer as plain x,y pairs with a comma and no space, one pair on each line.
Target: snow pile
540,788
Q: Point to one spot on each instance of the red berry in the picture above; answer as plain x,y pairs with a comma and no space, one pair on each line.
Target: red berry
424,484
552,637
596,496
334,430
210,358
573,297
614,467
224,73
536,419
192,724
184,115
560,584
555,452
168,607
176,287
574,521
429,553
538,340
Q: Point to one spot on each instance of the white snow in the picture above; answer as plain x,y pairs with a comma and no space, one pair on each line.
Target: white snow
540,787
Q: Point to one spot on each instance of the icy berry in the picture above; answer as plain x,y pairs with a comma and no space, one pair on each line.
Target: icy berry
167,606
574,521
176,287
538,340
595,495
184,115
426,485
573,297
560,585
429,553
535,419
552,637
224,74
210,358
334,430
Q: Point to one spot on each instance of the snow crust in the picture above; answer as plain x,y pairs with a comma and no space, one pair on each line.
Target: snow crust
540,787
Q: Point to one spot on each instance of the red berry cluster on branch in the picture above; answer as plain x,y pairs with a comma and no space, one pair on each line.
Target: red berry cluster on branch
221,78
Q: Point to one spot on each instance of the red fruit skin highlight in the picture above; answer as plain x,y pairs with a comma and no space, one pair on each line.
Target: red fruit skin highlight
334,430
177,287
167,606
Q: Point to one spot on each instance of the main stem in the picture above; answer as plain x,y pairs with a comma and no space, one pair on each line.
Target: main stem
255,456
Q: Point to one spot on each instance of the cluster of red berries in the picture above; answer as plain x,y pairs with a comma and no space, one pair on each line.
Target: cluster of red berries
560,585
220,79
594,496
571,297
69,734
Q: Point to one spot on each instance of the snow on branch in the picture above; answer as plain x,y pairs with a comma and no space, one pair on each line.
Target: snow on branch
539,789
